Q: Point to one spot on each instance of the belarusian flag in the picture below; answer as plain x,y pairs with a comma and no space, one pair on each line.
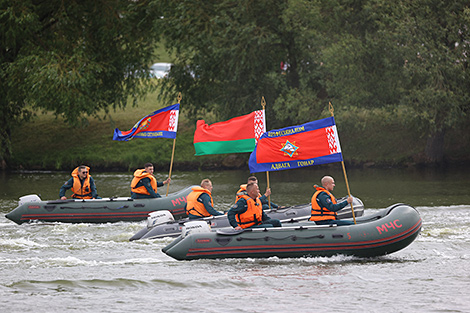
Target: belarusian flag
236,135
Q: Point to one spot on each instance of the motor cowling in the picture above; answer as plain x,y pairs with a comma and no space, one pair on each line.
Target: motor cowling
28,198
159,217
194,227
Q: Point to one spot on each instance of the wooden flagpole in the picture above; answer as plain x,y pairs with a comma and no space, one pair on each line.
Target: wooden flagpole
172,153
330,107
263,104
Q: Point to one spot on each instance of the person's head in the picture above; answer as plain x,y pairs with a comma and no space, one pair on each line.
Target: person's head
252,179
82,171
328,183
148,168
252,190
206,184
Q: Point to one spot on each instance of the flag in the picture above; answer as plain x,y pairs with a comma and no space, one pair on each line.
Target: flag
160,124
292,147
236,135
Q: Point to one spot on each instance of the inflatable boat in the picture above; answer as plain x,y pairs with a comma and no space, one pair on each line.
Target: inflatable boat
161,224
384,232
31,209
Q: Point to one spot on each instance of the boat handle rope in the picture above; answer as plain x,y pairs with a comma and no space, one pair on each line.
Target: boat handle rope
94,208
293,237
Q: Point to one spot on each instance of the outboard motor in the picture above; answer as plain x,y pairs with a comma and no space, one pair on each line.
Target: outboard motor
194,227
28,198
159,217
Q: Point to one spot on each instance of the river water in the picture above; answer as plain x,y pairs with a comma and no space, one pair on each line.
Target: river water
94,268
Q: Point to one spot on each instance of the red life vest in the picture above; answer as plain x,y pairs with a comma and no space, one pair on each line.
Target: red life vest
319,213
253,215
81,191
138,175
195,207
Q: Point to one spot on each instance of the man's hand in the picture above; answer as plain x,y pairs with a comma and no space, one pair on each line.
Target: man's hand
268,192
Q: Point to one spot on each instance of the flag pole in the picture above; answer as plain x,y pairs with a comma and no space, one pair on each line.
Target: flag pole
330,107
263,104
172,153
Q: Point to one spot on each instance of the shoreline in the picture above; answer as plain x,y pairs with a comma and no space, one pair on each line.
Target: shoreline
235,162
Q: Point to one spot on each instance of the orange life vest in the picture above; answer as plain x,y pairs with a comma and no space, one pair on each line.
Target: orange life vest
241,192
138,175
253,215
319,213
195,207
81,191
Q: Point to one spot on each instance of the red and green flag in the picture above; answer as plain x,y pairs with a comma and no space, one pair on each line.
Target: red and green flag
236,135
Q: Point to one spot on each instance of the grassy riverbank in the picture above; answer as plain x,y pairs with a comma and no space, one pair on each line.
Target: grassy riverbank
368,138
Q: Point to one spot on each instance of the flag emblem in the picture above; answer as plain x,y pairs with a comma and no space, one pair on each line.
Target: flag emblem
145,124
289,148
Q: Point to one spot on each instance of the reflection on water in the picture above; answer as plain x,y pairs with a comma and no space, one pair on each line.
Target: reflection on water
377,188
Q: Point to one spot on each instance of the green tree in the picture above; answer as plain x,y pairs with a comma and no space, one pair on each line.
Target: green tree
229,56
437,51
383,54
409,53
74,58
361,66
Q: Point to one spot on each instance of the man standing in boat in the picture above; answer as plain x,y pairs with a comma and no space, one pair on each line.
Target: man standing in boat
248,212
324,205
82,185
263,198
199,201
144,184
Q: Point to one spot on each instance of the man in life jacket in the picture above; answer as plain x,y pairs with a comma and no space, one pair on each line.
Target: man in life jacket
324,205
248,212
199,201
81,183
263,198
144,184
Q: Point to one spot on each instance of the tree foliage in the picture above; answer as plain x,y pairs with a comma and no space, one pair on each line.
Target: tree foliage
229,54
73,58
359,53
78,57
437,51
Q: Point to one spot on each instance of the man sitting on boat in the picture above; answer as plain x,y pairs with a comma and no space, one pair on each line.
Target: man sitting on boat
248,212
263,198
324,205
144,184
82,185
199,201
